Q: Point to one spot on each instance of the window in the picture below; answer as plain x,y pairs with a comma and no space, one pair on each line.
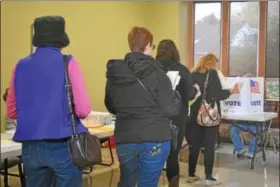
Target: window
244,20
272,58
207,33
272,88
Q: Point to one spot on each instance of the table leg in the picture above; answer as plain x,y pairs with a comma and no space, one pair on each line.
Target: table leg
262,143
256,145
21,175
6,173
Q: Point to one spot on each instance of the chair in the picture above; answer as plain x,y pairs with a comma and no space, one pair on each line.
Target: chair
271,133
8,163
107,139
266,109
103,140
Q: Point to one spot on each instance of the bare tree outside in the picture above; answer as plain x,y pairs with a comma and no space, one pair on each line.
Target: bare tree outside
243,38
207,29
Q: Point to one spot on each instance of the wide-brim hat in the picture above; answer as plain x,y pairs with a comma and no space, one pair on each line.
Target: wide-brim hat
49,31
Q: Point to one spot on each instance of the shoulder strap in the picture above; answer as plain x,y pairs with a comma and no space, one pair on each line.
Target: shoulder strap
149,93
155,103
206,84
68,88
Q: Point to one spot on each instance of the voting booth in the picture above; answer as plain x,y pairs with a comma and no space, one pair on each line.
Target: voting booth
247,96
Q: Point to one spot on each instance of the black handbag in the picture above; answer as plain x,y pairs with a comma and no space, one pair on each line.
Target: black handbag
173,128
85,148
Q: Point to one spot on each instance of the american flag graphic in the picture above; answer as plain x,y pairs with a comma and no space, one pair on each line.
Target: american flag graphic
255,86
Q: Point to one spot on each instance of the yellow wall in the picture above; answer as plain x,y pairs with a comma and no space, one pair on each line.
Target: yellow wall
162,18
97,31
168,20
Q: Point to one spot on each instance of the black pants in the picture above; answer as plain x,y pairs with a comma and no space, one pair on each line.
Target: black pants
172,165
188,132
207,137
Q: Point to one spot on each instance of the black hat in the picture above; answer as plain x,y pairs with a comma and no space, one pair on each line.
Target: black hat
49,31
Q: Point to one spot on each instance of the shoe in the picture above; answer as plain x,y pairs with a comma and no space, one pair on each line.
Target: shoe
210,181
250,155
174,182
241,153
192,179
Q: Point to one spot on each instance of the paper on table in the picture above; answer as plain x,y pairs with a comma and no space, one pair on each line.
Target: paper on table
174,78
7,143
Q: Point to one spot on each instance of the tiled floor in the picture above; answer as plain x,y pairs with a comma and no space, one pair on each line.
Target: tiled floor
231,171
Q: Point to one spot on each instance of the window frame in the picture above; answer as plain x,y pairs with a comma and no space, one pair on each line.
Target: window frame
193,28
225,28
265,68
258,39
225,37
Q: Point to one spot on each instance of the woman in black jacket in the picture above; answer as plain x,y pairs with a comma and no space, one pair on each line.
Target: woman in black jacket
168,55
200,135
142,131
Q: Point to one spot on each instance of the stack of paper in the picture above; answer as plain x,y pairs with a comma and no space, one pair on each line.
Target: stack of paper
174,78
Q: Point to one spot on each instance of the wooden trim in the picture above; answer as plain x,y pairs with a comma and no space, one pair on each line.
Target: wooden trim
261,67
190,35
225,38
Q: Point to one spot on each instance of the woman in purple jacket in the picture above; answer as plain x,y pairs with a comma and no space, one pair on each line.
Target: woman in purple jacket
37,99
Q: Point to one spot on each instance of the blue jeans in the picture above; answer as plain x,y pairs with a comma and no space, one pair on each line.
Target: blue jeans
235,137
49,164
141,163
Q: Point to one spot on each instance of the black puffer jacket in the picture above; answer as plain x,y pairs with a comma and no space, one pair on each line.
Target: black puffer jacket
138,119
185,88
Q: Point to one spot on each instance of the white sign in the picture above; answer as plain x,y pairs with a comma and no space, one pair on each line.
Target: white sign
256,95
247,96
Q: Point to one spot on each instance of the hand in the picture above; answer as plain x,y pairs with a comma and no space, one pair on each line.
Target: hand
234,90
196,86
91,114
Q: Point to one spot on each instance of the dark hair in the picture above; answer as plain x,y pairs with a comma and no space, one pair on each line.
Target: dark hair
139,38
5,94
167,51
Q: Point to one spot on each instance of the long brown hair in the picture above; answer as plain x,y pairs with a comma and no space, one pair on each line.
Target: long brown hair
167,51
205,63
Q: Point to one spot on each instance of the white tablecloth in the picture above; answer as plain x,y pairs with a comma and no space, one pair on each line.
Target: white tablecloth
9,148
258,117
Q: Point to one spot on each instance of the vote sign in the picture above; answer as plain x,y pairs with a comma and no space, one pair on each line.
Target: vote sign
247,96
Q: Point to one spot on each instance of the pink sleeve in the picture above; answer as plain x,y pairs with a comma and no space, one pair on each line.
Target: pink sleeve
11,99
81,101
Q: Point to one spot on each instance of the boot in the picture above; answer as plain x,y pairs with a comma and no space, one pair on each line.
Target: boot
174,182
